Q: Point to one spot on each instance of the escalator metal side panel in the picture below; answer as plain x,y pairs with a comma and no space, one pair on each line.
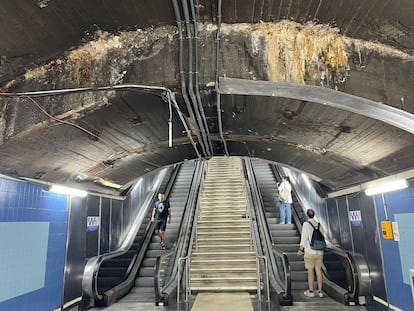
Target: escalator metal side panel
108,260
361,277
265,186
144,289
167,266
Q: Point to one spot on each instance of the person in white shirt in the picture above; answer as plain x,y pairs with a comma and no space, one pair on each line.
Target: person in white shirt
313,258
285,201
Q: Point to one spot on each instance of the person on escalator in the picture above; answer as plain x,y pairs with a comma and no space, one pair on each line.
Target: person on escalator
313,258
285,201
160,214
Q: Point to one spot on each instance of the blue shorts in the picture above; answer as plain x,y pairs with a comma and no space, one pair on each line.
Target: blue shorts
161,224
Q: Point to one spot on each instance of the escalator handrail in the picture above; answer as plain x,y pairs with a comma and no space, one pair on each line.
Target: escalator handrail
357,264
287,288
149,230
91,270
276,251
257,239
178,244
182,242
193,230
157,289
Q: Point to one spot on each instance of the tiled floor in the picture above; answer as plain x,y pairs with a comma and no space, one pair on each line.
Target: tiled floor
229,302
222,301
321,305
134,306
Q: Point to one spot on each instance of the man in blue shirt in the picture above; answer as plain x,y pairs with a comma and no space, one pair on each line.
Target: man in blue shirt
160,214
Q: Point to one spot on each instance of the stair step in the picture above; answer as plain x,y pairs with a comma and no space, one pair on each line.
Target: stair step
224,278
223,260
231,221
208,225
224,288
223,203
235,214
215,233
238,246
223,253
286,240
220,189
233,239
224,212
222,269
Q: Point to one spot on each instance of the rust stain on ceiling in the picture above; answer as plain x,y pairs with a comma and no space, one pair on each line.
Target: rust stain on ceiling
303,53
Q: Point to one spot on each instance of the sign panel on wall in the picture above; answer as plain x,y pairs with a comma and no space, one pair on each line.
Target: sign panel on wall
92,223
355,218
395,231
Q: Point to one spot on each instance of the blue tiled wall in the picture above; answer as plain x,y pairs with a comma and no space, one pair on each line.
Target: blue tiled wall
398,255
32,207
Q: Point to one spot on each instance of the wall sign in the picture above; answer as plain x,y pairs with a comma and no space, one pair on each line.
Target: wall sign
92,223
355,218
395,231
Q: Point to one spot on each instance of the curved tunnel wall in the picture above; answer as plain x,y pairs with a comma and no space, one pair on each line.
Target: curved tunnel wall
33,226
398,254
116,217
389,261
40,230
26,202
355,222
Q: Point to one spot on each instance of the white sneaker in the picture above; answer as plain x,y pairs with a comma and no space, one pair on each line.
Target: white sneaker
308,293
320,294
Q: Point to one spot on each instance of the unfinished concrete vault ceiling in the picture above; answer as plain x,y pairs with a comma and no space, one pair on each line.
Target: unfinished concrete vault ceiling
88,87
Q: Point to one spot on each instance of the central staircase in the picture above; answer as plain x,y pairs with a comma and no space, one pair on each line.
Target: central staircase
224,258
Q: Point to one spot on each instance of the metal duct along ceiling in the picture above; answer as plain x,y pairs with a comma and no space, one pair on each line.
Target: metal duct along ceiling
360,48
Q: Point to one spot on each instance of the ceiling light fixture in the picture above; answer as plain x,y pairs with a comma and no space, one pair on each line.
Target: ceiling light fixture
68,191
387,187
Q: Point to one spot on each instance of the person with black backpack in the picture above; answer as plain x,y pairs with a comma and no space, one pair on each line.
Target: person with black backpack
312,244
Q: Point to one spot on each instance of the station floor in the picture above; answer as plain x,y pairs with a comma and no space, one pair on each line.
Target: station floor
232,301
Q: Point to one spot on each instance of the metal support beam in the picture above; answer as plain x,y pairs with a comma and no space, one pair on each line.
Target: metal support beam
324,96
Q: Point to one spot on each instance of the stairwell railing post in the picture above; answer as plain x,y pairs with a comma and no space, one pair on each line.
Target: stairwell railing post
179,280
188,262
259,290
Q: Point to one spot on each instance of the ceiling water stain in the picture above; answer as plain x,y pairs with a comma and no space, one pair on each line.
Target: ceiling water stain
303,54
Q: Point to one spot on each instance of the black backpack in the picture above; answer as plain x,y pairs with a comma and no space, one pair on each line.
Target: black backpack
318,241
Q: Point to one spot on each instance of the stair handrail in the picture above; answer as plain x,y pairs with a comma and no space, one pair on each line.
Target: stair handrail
162,294
90,273
285,286
255,228
187,257
258,250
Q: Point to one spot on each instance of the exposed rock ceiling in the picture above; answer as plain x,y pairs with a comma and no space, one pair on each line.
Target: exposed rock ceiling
96,136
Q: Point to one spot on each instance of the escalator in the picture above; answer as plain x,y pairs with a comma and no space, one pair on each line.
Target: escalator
167,271
111,276
114,270
346,276
144,283
211,258
286,237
